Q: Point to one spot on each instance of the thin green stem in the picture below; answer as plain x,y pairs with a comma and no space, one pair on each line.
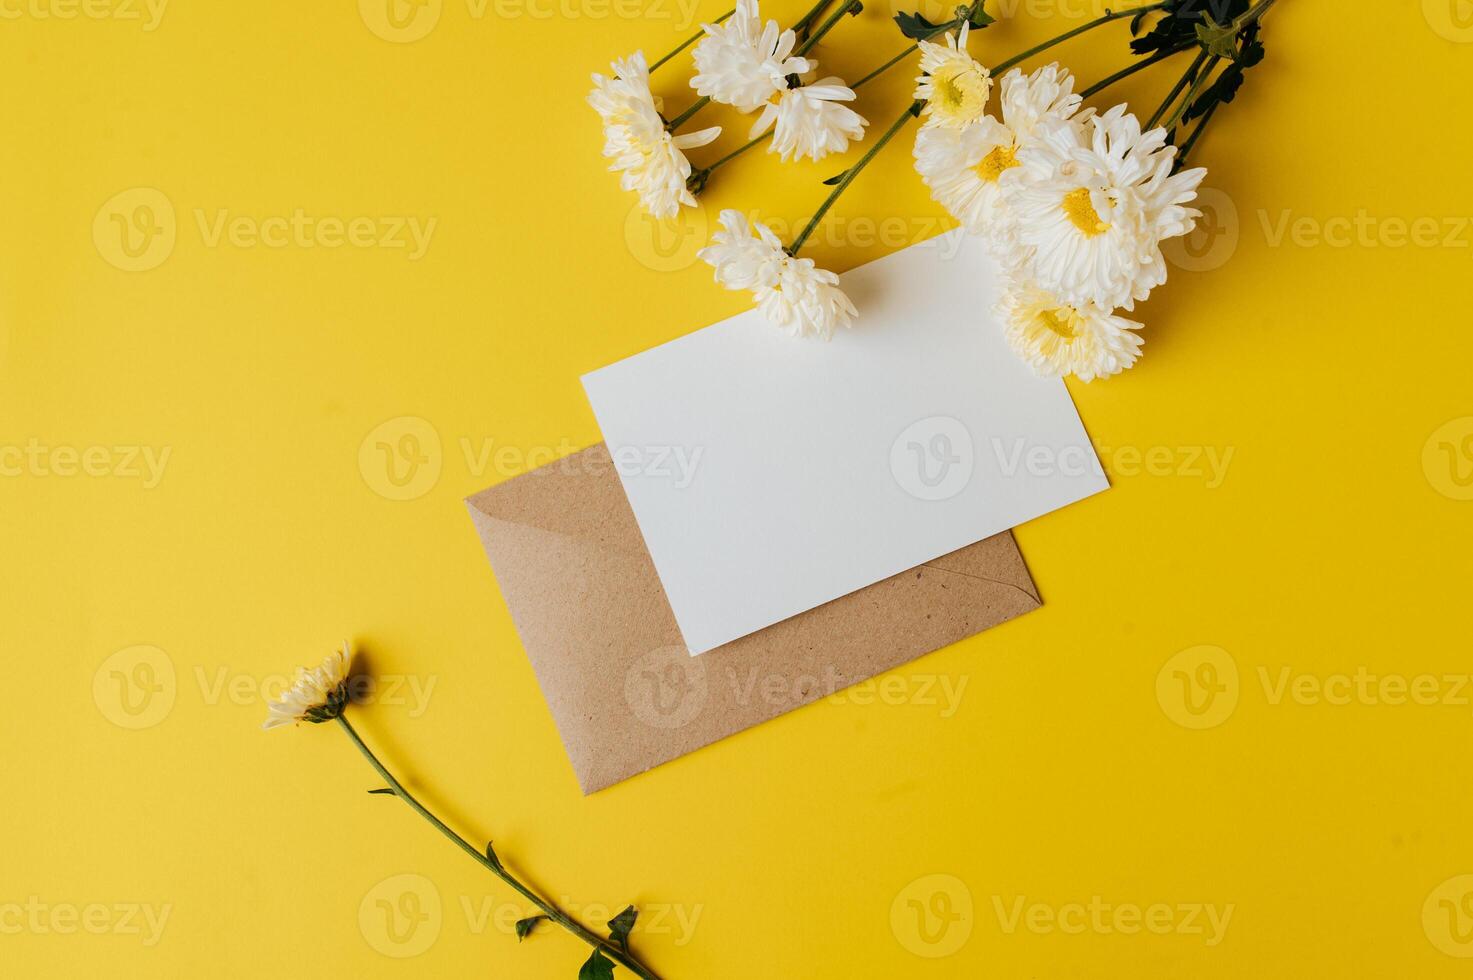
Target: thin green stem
828,25
1181,158
610,949
1129,70
850,174
1192,92
806,21
689,41
1186,79
695,107
1105,19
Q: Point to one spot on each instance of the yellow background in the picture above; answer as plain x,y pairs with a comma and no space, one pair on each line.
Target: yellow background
1336,542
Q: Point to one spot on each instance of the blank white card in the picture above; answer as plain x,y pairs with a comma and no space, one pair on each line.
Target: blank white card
770,475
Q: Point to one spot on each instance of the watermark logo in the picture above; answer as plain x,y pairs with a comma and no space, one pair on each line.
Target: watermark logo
933,458
1205,920
666,688
136,687
1198,688
667,245
933,916
400,21
1447,459
1450,19
401,916
401,458
37,917
148,13
36,459
1212,241
135,230
1447,916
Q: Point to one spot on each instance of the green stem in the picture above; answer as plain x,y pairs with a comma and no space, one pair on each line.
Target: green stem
1113,15
1181,158
689,41
1129,70
695,107
806,21
1187,78
826,26
851,173
1192,93
610,949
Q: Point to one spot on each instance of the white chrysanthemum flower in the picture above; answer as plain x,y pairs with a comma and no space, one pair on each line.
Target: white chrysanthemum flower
1057,338
650,158
743,63
964,167
792,293
1092,204
316,695
954,85
810,121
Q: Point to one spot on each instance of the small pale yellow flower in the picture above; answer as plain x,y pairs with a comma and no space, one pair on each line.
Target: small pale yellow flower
315,695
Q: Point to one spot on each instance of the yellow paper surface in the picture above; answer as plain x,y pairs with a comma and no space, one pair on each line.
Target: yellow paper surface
316,413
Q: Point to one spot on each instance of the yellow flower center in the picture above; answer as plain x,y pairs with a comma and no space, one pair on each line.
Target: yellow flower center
994,163
1081,211
1061,321
958,90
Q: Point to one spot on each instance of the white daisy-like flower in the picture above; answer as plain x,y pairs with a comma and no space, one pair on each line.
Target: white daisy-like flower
1057,338
954,85
964,167
792,293
811,120
1092,204
315,695
743,63
650,159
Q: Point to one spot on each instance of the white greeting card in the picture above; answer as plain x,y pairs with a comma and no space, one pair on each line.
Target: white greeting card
770,475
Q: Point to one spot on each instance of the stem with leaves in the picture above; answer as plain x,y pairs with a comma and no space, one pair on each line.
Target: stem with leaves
488,860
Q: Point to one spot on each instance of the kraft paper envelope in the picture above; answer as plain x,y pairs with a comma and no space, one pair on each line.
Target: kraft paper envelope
625,694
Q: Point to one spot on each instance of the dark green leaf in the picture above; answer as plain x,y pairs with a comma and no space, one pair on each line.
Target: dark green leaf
491,856
597,967
914,26
835,178
980,19
525,926
384,789
1177,26
621,925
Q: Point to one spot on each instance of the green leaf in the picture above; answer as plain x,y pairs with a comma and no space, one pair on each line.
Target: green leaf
385,789
914,26
597,967
525,926
621,925
491,856
1218,39
835,178
981,19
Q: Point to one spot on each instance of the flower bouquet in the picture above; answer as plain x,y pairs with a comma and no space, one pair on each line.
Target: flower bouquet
1072,201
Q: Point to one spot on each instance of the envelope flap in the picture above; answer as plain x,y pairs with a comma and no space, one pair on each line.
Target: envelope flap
576,496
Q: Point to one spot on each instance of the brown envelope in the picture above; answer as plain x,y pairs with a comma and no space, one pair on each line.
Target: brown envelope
626,696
